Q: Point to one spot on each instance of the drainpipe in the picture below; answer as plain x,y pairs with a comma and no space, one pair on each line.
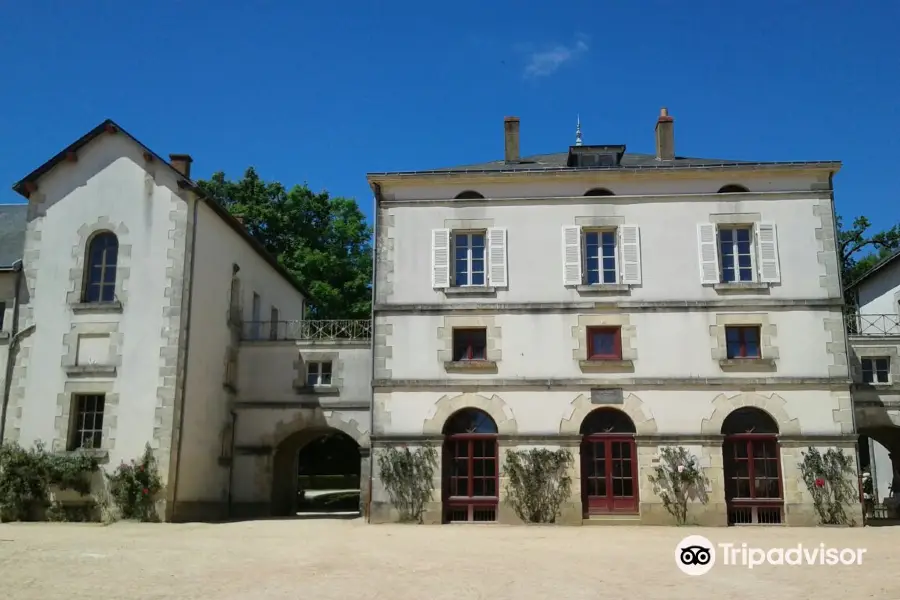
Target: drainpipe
377,200
847,346
231,462
14,339
187,346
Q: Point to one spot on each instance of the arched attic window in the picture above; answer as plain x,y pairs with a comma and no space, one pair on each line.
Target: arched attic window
100,268
469,195
733,188
599,192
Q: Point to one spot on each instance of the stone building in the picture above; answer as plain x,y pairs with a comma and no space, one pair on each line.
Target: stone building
139,311
613,304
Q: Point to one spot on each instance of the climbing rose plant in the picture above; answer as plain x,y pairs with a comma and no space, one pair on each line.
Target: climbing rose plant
134,487
538,483
408,478
678,479
828,478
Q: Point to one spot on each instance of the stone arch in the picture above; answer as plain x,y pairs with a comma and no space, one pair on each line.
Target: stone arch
633,406
773,405
494,406
322,420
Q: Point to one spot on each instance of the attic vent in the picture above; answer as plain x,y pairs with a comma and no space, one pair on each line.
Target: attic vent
596,160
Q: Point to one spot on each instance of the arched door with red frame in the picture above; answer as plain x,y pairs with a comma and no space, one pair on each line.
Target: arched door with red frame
752,468
609,471
470,467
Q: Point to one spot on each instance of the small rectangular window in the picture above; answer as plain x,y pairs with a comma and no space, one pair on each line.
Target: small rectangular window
273,324
469,344
742,341
604,343
600,257
86,429
736,253
876,370
318,373
468,258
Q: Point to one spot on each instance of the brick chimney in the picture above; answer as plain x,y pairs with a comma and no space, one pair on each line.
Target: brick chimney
182,163
511,139
665,136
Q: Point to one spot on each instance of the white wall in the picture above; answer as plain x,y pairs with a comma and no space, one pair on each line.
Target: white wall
207,402
109,187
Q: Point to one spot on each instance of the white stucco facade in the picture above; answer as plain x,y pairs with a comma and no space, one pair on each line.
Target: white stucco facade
673,374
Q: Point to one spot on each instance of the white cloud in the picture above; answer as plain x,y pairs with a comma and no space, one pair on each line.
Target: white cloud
546,62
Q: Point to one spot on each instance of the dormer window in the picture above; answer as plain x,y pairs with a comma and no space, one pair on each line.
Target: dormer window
595,156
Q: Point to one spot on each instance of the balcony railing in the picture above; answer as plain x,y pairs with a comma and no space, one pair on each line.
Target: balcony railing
872,324
351,329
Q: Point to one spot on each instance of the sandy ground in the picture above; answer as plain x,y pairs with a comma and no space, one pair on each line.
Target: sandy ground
326,559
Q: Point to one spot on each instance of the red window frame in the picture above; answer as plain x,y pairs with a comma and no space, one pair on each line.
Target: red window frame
750,442
471,338
742,340
617,349
475,508
609,502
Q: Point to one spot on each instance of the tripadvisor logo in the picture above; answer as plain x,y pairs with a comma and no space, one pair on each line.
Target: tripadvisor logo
696,555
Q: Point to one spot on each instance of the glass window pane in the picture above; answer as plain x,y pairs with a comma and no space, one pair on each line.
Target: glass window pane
752,349
609,276
726,235
609,238
727,275
593,276
478,240
478,253
744,261
478,265
727,261
478,278
743,247
743,235
108,293
591,238
462,253
881,364
746,275
868,376
734,349
751,334
609,263
732,334
462,241
326,368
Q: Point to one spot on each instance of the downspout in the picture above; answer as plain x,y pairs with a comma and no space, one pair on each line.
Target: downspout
14,338
377,201
231,462
847,344
187,347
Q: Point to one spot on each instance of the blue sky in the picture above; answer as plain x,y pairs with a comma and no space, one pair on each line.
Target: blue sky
324,92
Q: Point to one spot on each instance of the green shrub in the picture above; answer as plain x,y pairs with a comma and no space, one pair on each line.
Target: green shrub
408,478
538,483
134,487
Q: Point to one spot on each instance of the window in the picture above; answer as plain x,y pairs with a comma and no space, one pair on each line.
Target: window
86,430
876,370
100,280
273,324
736,253
604,343
2,314
742,341
468,252
318,373
469,344
600,257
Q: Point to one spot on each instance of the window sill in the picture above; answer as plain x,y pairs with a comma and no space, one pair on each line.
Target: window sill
747,364
91,370
606,366
471,290
604,288
318,390
97,307
100,454
748,287
471,366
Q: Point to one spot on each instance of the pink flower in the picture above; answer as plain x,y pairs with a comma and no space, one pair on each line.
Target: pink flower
820,482
681,468
146,491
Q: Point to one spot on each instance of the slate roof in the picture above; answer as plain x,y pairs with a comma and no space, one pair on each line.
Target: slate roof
12,233
630,161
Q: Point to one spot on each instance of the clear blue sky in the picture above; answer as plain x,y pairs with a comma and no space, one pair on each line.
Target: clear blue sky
324,92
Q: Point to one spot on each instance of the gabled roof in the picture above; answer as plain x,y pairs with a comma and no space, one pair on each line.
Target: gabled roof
630,161
13,219
884,262
110,126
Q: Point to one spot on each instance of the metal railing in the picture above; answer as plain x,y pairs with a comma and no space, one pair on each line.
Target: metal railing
872,324
343,329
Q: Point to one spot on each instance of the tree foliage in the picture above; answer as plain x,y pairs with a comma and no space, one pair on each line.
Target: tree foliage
860,249
324,242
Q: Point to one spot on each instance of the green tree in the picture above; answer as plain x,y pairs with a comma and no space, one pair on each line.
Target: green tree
324,242
860,249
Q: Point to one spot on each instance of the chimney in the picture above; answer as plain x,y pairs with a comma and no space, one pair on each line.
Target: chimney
665,136
511,139
182,163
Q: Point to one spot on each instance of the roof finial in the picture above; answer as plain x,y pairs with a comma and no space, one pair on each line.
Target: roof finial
578,132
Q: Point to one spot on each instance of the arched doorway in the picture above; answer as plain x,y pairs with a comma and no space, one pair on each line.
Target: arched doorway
609,471
316,471
470,467
752,468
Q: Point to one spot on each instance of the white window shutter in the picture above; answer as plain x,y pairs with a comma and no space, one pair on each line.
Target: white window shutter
497,267
630,263
571,254
709,254
767,253
440,258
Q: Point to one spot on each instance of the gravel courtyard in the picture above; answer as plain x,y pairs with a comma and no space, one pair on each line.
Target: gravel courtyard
331,559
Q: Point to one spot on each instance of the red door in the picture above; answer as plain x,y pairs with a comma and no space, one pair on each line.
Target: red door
609,474
752,479
470,490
